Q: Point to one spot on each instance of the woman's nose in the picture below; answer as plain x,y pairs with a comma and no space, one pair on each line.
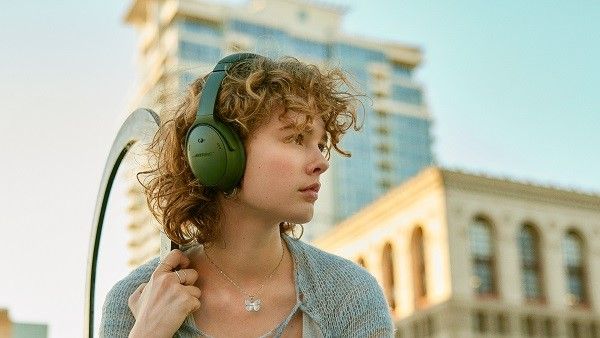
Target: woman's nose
318,165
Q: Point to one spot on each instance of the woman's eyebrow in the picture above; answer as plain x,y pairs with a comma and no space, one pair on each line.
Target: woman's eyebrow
309,131
288,126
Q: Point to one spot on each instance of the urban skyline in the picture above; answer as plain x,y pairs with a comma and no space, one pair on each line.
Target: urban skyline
511,88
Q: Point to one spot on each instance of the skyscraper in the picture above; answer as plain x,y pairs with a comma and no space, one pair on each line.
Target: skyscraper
183,39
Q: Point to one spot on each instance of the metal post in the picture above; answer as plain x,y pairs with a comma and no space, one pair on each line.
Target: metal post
141,125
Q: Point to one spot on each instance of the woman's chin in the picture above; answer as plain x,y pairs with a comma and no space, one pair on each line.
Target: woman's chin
301,218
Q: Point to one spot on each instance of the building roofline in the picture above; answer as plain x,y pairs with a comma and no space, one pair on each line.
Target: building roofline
432,178
338,9
134,14
535,191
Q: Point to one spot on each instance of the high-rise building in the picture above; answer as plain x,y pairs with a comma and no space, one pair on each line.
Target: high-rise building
183,39
461,255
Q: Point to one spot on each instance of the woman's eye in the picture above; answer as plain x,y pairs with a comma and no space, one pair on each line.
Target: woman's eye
322,146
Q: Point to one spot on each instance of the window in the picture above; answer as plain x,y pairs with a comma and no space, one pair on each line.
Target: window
549,328
355,56
594,330
573,257
401,70
528,326
186,78
198,52
384,165
383,148
479,322
201,28
483,278
387,262
418,267
575,330
255,29
530,263
430,327
502,324
308,48
383,130
385,184
407,94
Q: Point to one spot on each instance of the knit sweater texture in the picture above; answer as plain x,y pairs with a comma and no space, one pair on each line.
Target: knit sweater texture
340,297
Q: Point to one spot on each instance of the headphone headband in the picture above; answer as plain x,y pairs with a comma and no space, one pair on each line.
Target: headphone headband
210,92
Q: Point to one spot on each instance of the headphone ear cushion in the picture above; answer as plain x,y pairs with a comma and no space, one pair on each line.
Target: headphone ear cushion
216,155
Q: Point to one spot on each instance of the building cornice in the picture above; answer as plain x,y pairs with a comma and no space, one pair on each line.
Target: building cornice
519,189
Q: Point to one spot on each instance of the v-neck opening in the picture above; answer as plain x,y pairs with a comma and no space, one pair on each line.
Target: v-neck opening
278,330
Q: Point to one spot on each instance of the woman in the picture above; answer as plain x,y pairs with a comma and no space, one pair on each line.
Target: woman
241,273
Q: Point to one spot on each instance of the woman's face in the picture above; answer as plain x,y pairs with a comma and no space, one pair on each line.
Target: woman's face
283,167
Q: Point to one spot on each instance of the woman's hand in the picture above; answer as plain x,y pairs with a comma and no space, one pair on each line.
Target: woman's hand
161,305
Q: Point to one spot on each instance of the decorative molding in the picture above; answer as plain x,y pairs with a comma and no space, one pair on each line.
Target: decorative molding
520,190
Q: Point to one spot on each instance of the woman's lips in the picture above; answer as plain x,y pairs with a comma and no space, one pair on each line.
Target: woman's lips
311,192
309,195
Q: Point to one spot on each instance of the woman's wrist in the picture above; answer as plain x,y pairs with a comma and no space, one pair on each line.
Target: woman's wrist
138,331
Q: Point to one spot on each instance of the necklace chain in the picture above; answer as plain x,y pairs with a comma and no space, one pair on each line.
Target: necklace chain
252,302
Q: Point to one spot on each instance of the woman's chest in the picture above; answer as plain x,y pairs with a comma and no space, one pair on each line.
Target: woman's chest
224,314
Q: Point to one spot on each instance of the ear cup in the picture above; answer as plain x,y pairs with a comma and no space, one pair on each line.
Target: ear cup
216,154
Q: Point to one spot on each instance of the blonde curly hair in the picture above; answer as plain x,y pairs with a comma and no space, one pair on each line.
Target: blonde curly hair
251,92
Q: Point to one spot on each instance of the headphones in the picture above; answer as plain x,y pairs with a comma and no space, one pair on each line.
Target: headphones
215,151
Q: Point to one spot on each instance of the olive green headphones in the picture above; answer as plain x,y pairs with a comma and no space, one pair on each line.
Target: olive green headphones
214,151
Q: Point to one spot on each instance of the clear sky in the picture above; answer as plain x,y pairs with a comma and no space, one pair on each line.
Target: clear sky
512,88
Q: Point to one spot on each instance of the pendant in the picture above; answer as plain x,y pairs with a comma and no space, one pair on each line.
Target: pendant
252,304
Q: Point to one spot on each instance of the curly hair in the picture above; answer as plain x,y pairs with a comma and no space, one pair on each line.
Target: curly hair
251,92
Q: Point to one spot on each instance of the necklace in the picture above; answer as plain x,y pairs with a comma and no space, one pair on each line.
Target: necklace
252,302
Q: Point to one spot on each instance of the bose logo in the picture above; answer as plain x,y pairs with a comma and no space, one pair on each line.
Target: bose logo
204,154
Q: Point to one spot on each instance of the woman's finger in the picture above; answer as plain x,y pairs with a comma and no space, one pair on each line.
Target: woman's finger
193,291
186,276
174,260
135,297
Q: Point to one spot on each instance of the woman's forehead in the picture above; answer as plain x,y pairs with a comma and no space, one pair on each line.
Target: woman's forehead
298,121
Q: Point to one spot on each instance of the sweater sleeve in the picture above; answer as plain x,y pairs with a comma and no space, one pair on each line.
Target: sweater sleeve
117,319
367,312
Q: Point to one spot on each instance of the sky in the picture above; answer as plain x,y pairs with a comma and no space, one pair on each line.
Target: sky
512,88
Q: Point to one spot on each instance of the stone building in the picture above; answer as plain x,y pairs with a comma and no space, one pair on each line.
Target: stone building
460,255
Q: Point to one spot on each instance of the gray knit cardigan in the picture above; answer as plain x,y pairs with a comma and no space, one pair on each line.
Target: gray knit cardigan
341,298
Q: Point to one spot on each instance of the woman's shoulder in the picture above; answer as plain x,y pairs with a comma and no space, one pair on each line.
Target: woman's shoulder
326,279
137,276
329,269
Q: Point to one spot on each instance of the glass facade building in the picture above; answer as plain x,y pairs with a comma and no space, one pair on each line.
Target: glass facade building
394,143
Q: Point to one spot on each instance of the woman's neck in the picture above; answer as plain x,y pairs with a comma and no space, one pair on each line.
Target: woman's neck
249,246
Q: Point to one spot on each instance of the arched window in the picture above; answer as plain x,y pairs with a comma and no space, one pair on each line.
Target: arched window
482,251
418,267
387,267
531,269
574,261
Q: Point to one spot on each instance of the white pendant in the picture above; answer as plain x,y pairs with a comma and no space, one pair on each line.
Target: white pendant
252,304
